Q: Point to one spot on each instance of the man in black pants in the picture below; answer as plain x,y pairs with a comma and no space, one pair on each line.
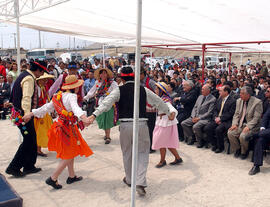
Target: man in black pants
262,139
25,98
150,111
223,114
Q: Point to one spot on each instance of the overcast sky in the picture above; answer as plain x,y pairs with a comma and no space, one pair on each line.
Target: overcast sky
30,38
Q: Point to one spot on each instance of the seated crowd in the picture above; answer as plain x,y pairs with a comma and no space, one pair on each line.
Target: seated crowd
220,105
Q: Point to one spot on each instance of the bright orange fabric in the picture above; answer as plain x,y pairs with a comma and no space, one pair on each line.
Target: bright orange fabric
71,150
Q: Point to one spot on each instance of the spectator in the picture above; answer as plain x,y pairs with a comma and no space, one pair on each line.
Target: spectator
200,116
246,120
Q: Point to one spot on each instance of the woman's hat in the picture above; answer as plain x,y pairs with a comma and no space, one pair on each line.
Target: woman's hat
71,82
44,76
163,86
97,75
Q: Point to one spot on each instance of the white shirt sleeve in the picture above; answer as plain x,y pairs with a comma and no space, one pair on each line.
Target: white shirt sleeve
74,106
46,108
107,102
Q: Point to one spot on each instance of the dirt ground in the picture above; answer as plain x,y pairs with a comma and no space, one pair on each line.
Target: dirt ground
205,179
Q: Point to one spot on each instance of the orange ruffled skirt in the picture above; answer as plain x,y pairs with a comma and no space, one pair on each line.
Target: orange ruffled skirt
77,145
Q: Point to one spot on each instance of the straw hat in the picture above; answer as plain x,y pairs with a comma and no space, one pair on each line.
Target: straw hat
71,82
44,76
163,86
97,76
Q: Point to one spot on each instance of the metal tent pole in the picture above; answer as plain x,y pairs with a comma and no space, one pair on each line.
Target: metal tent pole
17,15
103,52
230,62
136,104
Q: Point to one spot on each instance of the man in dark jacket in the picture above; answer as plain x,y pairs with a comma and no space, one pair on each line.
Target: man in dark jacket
262,140
223,114
4,96
184,103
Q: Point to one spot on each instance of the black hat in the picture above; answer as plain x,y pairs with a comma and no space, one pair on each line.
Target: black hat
38,65
127,72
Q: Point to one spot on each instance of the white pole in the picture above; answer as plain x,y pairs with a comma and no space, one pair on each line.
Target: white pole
103,52
39,39
136,104
17,14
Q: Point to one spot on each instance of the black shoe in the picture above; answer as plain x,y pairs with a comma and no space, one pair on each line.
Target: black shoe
244,156
186,139
74,179
214,148
33,170
140,190
191,142
206,145
53,183
125,181
254,170
219,150
176,161
200,145
237,153
152,151
162,164
15,173
181,139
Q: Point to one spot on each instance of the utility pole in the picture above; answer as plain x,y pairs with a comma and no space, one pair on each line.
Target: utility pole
14,37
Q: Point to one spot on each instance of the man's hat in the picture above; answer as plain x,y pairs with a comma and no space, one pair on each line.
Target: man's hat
71,82
45,76
72,65
127,72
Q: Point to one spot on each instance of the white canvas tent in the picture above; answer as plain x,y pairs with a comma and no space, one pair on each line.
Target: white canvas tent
164,21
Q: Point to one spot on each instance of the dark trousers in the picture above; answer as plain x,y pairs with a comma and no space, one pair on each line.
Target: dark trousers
151,124
26,155
262,139
215,133
90,108
181,117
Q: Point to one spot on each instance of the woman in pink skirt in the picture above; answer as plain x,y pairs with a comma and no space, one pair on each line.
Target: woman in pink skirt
165,134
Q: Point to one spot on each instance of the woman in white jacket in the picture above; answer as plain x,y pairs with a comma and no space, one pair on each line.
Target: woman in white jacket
103,87
165,134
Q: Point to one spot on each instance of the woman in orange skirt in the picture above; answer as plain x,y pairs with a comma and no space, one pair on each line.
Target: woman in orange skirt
64,135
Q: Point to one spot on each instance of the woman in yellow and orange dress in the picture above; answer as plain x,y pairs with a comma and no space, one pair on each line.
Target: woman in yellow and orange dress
64,135
42,125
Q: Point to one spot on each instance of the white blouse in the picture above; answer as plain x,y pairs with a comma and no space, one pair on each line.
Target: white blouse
92,92
69,101
164,120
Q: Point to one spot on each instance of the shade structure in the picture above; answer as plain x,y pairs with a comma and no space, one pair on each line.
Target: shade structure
164,21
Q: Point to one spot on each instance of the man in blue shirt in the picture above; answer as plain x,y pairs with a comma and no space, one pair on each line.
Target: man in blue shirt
88,84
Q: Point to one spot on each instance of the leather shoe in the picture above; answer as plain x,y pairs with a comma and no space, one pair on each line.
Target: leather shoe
161,164
140,190
181,139
53,183
74,179
191,142
176,161
219,150
237,153
254,170
244,156
214,148
125,181
200,145
33,170
152,151
15,173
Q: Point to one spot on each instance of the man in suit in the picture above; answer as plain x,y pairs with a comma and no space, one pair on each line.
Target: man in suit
246,120
262,139
4,96
184,103
223,114
200,116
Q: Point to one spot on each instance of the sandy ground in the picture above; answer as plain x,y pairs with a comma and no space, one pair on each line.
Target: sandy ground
204,179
